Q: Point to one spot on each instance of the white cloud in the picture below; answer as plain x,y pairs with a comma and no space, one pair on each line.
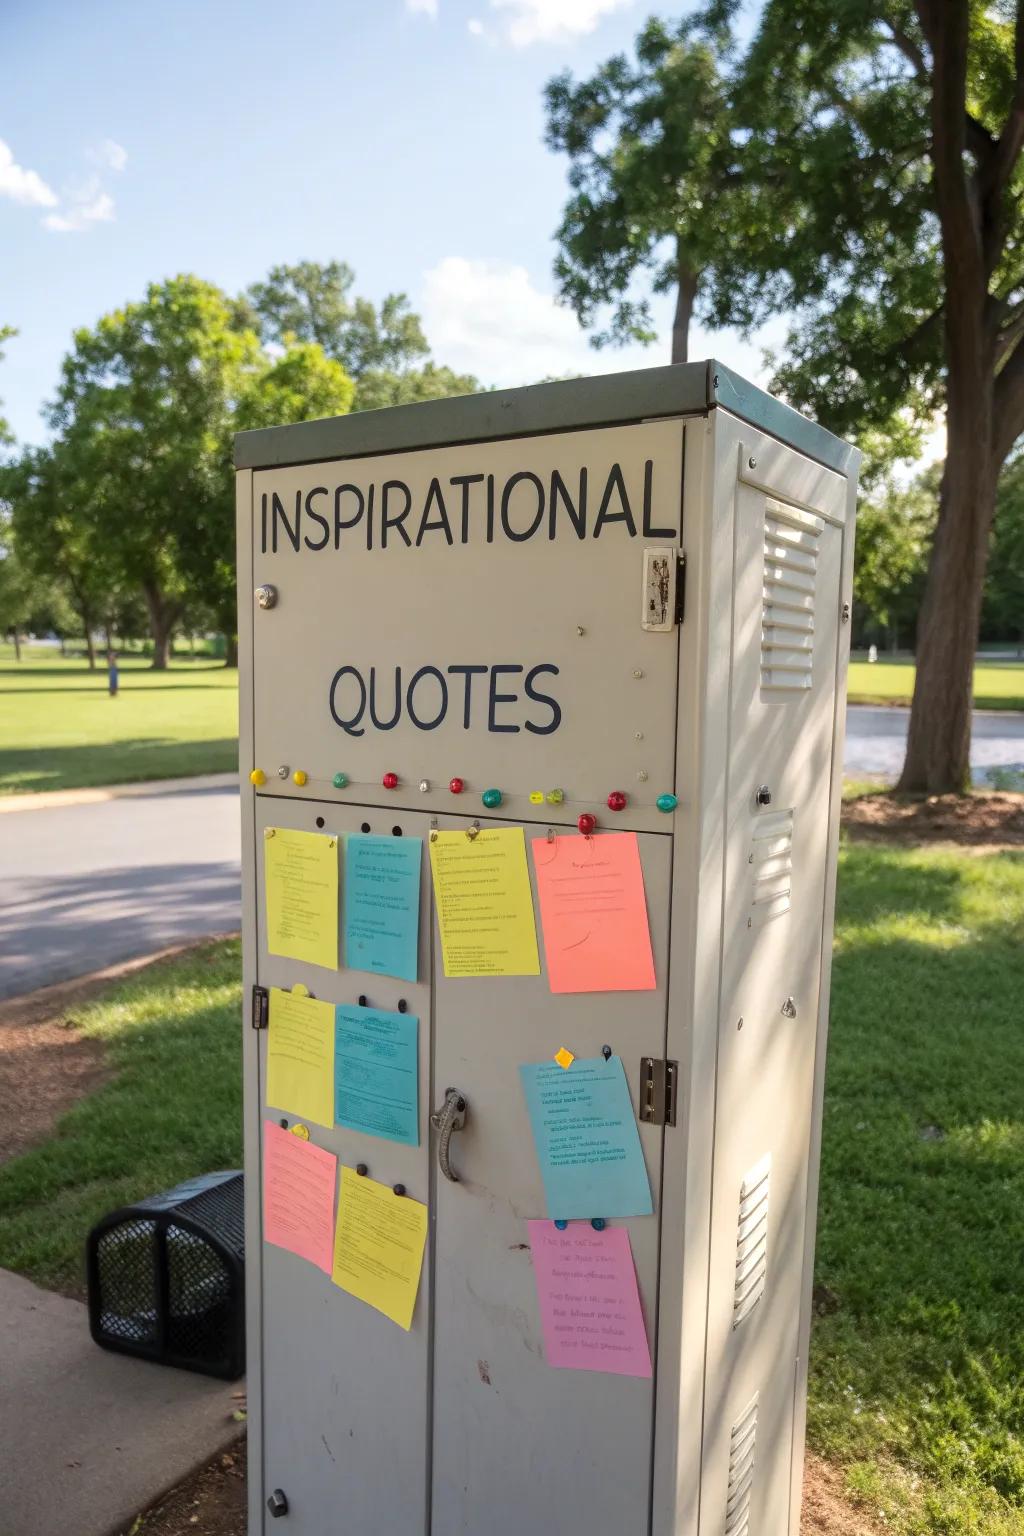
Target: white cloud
88,205
487,318
23,186
475,26
422,7
522,22
111,154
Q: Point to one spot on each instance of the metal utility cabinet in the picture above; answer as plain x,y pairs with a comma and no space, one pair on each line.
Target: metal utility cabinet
635,583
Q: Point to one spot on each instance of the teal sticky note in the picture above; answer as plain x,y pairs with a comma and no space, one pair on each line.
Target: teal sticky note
587,1140
382,905
376,1073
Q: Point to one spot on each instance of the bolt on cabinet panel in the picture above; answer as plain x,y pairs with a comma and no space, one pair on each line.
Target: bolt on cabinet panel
528,600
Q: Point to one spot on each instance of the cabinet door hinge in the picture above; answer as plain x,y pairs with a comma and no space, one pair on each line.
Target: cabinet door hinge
260,1007
680,588
658,1081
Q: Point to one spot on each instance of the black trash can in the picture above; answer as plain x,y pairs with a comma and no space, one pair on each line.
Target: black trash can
167,1277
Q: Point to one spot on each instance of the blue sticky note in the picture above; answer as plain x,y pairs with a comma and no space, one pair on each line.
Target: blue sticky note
587,1141
376,1073
382,905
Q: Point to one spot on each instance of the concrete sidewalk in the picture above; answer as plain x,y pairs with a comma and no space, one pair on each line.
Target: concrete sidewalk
88,1438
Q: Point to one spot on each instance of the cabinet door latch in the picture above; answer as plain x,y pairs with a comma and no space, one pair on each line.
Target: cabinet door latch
658,1081
260,1007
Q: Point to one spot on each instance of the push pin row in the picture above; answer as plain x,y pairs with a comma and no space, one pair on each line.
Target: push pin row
492,798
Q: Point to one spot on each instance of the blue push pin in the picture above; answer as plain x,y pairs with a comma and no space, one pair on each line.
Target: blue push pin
597,1222
561,1225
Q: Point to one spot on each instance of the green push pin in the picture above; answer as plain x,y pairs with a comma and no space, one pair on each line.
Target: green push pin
491,798
667,802
555,796
340,780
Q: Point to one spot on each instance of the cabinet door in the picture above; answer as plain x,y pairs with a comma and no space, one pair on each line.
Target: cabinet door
345,1421
519,1446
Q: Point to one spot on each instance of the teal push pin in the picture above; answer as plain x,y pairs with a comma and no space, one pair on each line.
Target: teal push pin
491,798
561,1225
667,802
598,1223
340,780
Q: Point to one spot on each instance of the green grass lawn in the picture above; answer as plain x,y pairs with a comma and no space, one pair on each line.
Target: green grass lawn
917,1374
59,728
997,684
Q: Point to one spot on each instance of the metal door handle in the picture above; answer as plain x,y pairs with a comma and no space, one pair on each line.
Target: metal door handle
449,1118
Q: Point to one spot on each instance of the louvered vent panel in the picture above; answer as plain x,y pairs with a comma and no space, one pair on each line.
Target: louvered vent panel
791,543
752,1242
771,867
741,1471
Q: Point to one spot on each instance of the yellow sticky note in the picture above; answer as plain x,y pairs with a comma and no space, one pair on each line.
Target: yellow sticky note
378,1246
564,1058
300,1056
484,903
302,895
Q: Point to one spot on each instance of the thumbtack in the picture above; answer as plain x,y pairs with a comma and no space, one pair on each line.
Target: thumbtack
402,1005
269,831
587,824
617,800
472,831
433,829
551,834
491,798
362,1170
456,785
555,796
536,797
362,999
398,1189
283,771
424,786
598,1223
390,781
257,777
561,1225
606,1052
299,776
340,780
284,1125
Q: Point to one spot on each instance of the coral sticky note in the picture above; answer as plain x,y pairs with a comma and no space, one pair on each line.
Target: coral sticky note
593,913
298,1195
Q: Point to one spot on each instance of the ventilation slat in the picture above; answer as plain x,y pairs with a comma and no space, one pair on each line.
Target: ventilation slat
742,1461
771,867
791,545
751,1241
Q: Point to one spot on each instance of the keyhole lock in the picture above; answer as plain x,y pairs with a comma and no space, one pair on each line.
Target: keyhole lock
278,1503
763,795
266,596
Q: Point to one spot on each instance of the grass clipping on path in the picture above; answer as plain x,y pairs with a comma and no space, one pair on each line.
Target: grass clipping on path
172,1036
918,1365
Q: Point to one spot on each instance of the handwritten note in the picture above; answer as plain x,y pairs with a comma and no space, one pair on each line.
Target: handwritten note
593,913
302,895
378,1246
376,1073
484,903
589,1301
586,1137
382,905
300,1056
298,1195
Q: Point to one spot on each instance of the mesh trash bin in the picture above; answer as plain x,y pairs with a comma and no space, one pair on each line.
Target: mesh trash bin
167,1277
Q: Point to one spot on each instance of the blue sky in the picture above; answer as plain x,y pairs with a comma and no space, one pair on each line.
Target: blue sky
402,136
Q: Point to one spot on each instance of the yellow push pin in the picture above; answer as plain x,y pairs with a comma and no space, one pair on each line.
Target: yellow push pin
298,777
536,797
257,777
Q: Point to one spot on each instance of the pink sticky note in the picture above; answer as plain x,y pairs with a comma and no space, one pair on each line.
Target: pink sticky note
298,1196
589,1301
593,913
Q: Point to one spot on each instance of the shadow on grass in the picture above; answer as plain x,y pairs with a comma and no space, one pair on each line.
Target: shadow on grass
920,1227
29,769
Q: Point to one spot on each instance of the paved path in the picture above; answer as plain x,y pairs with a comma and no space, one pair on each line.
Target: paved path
90,1438
875,741
87,885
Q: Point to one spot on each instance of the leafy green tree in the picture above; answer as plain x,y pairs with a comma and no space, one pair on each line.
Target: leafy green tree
384,350
17,593
6,332
651,167
895,527
881,201
1003,610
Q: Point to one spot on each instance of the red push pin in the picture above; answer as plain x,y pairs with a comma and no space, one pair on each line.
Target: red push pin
456,786
587,824
390,781
616,800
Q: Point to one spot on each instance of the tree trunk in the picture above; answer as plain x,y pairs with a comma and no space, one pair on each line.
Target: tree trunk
17,644
163,615
90,648
939,739
231,656
686,293
108,635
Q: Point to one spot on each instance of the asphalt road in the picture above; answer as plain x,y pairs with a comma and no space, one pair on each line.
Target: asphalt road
85,886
